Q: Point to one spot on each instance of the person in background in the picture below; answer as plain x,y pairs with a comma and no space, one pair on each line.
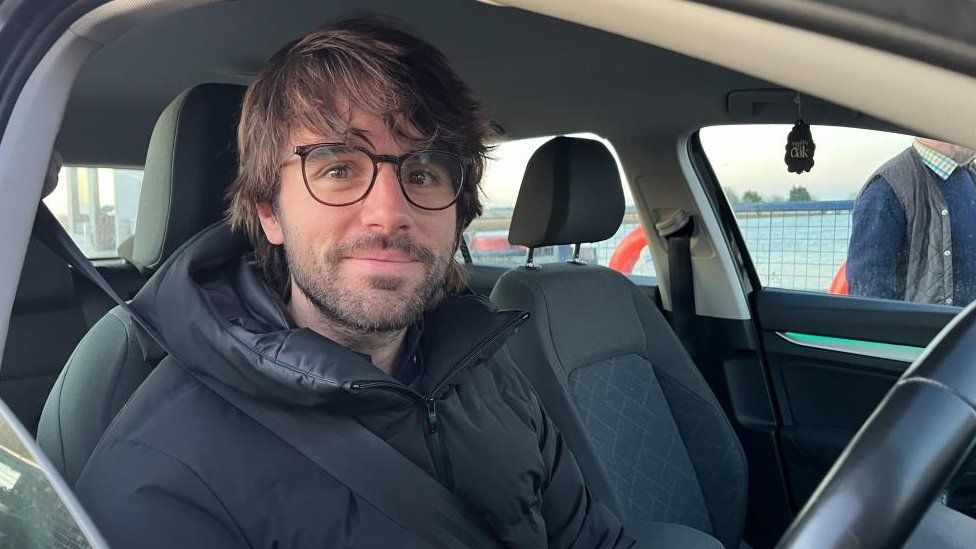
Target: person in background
913,234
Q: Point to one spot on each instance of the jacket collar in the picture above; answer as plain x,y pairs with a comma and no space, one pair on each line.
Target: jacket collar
212,309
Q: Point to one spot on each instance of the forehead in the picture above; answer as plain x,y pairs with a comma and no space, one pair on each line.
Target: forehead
318,118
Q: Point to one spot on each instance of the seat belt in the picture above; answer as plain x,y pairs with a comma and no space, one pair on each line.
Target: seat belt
677,229
341,446
465,253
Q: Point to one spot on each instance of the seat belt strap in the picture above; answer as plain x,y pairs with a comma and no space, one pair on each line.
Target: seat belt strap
348,451
465,253
677,229
369,467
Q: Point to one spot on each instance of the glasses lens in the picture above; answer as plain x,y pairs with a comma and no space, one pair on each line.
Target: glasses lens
337,174
432,179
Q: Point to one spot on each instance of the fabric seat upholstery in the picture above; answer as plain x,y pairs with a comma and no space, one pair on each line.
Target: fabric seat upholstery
46,296
191,160
649,434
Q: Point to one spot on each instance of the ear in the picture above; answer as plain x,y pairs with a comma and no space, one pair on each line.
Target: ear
269,222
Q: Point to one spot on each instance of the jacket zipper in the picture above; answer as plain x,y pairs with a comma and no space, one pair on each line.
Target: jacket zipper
435,443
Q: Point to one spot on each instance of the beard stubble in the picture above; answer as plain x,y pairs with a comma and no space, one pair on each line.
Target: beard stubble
388,304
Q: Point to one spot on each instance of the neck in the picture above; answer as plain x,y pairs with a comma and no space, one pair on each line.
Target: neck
961,155
382,347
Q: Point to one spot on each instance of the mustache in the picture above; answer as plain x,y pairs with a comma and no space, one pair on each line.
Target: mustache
401,242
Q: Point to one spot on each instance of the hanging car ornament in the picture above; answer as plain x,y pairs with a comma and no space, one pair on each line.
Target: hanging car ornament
799,144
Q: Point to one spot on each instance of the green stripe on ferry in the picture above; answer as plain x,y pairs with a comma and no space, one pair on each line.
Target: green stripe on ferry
890,351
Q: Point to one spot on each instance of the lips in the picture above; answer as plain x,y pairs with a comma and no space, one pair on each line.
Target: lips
374,251
385,257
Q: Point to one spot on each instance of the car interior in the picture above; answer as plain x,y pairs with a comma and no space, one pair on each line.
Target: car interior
719,415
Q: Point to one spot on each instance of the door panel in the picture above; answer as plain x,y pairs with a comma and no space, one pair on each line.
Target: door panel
849,317
831,360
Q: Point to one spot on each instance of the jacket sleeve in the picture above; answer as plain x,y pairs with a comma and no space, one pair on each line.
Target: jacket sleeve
141,497
875,256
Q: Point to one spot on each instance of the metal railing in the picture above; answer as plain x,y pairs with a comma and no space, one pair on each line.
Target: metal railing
796,245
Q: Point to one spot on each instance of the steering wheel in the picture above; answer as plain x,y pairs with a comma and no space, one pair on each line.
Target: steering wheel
895,467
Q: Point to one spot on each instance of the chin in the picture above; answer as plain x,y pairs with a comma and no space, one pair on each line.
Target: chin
398,284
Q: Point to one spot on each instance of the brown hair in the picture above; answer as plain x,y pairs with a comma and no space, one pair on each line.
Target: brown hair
368,64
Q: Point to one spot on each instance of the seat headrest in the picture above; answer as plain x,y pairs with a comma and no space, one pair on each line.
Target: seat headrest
571,193
191,161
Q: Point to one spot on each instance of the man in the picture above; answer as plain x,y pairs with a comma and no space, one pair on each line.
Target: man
914,227
360,157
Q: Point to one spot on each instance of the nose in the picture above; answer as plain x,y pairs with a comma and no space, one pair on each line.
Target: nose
385,209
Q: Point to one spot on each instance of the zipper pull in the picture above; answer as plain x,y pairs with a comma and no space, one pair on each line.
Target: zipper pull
432,415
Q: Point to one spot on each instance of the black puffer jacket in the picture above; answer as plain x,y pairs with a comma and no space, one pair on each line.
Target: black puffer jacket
181,467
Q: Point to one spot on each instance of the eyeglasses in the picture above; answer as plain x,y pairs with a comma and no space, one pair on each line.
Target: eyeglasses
340,175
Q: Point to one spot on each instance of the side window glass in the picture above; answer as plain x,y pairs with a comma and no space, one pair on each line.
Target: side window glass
97,206
487,236
32,514
880,215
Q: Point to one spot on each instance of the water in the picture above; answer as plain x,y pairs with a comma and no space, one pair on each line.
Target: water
797,250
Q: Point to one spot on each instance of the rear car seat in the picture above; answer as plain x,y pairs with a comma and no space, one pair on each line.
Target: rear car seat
34,354
649,435
47,295
191,160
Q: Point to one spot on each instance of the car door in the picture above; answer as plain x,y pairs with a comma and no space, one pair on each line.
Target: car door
830,355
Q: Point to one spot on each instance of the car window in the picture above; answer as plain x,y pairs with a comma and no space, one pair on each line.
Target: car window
880,214
32,514
487,236
97,206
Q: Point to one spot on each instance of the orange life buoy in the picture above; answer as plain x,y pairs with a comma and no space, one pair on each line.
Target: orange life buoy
838,286
628,251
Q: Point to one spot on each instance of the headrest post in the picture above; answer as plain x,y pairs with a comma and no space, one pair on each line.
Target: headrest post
576,252
529,264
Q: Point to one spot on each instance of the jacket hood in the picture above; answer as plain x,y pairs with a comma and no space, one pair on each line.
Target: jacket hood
220,320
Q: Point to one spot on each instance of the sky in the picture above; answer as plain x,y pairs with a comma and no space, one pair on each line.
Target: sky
750,157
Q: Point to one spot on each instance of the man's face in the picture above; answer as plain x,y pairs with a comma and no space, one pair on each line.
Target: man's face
372,266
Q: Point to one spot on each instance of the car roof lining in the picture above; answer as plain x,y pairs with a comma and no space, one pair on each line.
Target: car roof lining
528,69
848,74
942,32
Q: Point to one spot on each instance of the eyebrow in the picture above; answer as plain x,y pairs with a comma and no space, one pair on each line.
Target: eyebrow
358,134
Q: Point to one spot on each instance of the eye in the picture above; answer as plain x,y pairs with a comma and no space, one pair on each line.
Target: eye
337,171
422,178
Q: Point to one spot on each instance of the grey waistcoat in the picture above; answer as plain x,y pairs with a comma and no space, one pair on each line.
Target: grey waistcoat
928,237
